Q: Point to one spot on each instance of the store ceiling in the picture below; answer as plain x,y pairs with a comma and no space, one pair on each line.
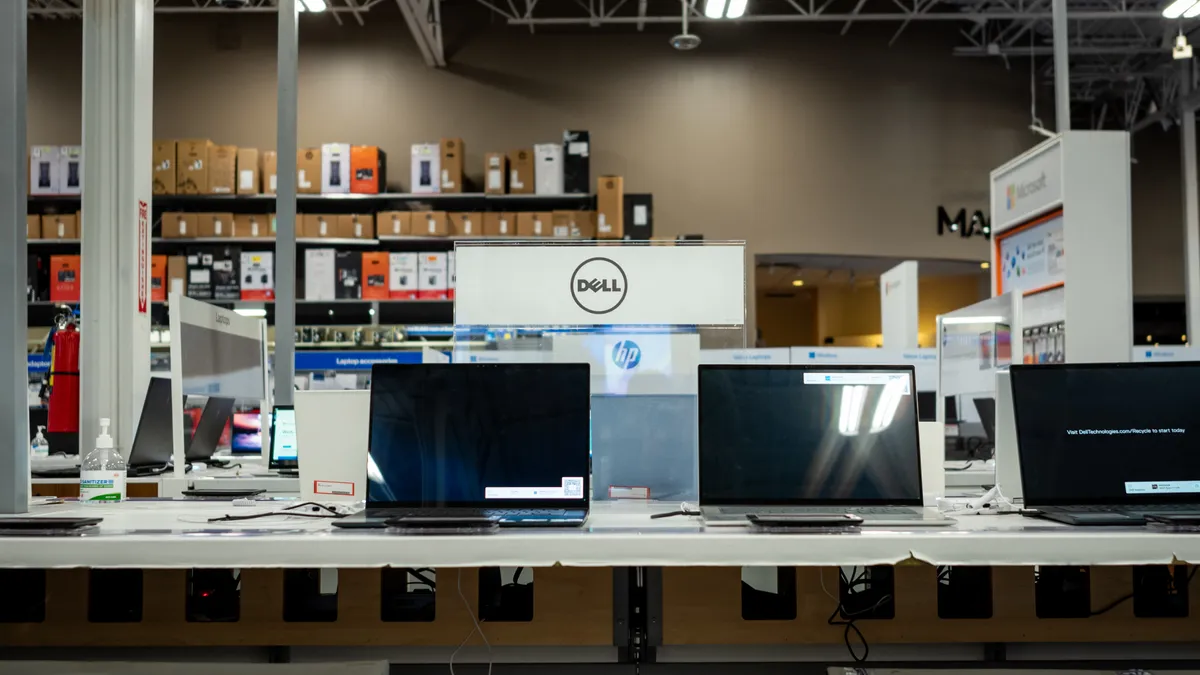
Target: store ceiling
776,273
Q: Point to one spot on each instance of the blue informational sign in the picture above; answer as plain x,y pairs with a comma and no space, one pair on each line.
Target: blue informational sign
39,363
309,361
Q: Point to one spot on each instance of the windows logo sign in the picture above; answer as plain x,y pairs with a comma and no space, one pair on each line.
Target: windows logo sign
626,354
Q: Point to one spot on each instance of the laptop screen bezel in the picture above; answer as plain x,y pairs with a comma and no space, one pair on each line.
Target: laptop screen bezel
1033,500
274,462
583,504
918,500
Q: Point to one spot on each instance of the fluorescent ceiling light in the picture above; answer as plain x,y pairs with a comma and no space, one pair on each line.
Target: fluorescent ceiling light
256,312
715,9
959,320
736,9
1192,12
311,5
1177,8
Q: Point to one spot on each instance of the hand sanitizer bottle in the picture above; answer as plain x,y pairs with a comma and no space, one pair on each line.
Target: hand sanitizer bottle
40,446
102,475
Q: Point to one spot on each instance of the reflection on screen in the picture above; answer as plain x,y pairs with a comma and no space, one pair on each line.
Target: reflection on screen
247,433
779,435
476,434
1107,433
216,363
283,435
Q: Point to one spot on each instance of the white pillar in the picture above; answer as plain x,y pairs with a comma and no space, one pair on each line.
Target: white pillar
1062,81
118,71
1191,206
898,303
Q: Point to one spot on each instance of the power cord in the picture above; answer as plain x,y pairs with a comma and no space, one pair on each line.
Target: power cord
1125,598
317,511
478,628
683,511
850,623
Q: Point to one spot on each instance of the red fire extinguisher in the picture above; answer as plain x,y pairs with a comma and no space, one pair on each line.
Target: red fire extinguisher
63,404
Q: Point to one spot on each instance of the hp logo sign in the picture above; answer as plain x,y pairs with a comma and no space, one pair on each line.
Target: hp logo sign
626,355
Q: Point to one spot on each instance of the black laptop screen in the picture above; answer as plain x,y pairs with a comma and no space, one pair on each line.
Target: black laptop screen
795,435
1108,433
490,435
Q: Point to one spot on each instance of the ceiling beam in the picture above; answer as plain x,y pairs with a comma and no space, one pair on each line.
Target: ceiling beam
424,19
1100,15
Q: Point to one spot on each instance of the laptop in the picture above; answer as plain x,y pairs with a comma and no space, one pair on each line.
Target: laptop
209,428
508,441
986,407
1108,443
246,433
810,439
283,456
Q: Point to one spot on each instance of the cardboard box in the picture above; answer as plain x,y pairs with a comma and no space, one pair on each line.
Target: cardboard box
610,207
33,226
308,171
214,224
335,168
70,169
537,224
200,274
270,178
43,170
368,166
59,226
577,162
319,226
349,275
162,171
393,223
191,167
495,173
64,278
319,273
430,224
639,217
499,224
402,276
431,277
426,169
548,169
466,224
375,276
226,273
573,225
521,172
180,225
258,275
450,283
248,172
257,225
158,278
356,227
453,158
222,169
177,274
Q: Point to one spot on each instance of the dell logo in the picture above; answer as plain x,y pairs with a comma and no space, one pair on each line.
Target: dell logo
626,355
599,285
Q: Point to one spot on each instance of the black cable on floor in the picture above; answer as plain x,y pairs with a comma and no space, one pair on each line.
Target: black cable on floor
849,624
1125,598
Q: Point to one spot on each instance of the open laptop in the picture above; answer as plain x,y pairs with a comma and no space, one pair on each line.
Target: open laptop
214,418
809,439
1108,443
284,456
986,407
509,441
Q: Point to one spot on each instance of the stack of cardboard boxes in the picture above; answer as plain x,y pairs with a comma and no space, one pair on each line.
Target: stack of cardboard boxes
56,170
332,275
199,167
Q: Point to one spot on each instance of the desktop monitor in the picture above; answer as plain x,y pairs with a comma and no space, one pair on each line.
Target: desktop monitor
504,435
246,438
951,409
284,454
927,406
808,435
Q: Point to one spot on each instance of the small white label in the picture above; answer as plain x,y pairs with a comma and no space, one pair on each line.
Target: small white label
446,182
199,276
562,230
183,227
603,224
432,225
324,229
333,487
537,227
395,225
640,215
357,230
217,226
273,181
515,180
577,148
302,179
247,180
101,486
62,230
467,226
253,228
495,179
503,226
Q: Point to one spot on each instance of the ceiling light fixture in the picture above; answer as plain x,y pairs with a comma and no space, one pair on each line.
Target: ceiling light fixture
967,320
737,8
715,9
311,5
1177,8
798,282
728,9
984,265
254,312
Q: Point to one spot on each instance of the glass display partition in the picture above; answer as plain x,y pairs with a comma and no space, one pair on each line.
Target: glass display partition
638,313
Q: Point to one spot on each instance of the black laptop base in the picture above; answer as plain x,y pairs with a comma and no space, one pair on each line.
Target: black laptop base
1133,514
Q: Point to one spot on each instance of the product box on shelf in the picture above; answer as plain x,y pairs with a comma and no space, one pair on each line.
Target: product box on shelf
200,274
453,157
177,274
574,225
43,170
319,226
177,225
521,172
59,226
349,275
368,170
248,172
548,169
37,279
430,224
258,275
191,167
375,276
610,207
308,171
536,224
320,271
495,173
499,224
466,224
258,225
450,280
393,223
402,276
222,169
426,169
70,169
163,169
158,278
33,226
335,168
431,276
226,273
356,226
639,217
270,178
64,278
214,224
577,162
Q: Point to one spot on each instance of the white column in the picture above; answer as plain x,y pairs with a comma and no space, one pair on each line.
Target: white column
1191,207
118,71
898,304
1062,81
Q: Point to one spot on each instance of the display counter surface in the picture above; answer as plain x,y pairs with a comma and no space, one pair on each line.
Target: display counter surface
166,534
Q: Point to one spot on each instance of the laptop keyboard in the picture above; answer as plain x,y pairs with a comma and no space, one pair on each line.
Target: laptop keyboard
1137,508
459,513
858,510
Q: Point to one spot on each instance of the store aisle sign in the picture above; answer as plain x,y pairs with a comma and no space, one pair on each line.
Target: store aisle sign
588,285
321,361
1027,187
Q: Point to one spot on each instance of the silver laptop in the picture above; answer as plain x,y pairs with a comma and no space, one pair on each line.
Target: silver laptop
807,439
